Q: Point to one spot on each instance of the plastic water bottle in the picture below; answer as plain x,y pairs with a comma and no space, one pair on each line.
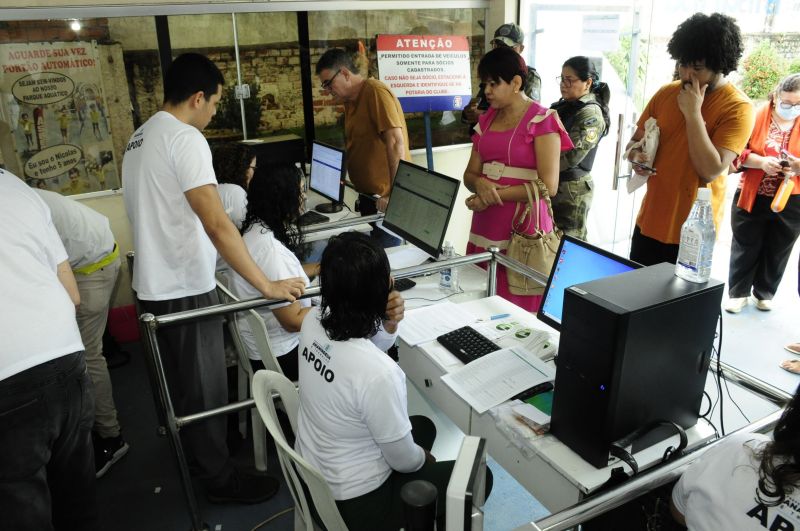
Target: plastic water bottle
697,241
448,277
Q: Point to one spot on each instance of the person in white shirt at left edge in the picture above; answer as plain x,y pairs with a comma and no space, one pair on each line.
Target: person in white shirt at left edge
47,478
353,423
94,259
748,482
178,226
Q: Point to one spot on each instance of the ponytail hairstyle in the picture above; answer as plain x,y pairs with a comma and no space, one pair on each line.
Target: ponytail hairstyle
584,68
273,201
779,470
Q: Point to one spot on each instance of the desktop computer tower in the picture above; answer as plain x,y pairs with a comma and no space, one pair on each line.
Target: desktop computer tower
634,348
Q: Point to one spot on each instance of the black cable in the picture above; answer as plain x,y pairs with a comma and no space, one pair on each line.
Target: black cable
719,376
434,300
727,389
705,415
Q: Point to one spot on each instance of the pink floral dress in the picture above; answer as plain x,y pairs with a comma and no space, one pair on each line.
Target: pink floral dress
513,147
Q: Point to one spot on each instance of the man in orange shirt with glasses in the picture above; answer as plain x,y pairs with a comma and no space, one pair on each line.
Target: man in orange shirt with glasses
376,136
705,123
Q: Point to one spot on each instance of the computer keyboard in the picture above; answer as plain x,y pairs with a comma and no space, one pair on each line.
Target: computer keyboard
402,284
311,218
467,344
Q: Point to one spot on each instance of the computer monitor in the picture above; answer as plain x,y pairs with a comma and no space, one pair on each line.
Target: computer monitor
327,176
466,491
420,206
576,262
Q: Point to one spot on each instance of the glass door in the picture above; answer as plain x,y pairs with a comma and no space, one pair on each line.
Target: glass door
612,36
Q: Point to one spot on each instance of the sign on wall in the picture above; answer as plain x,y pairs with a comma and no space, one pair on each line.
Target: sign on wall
426,72
53,103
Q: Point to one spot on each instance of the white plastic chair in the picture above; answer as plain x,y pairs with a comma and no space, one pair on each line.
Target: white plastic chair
267,386
245,377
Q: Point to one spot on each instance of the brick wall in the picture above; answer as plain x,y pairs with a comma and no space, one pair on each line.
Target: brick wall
53,30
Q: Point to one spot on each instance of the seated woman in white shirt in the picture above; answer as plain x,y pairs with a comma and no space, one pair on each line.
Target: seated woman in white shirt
353,423
234,164
272,236
747,482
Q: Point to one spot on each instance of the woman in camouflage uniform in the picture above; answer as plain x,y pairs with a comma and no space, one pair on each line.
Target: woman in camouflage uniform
583,109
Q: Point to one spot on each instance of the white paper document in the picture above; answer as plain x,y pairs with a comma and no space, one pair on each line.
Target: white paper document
496,377
426,324
405,256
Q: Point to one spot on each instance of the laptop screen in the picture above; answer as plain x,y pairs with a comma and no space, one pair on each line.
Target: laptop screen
576,262
420,206
327,171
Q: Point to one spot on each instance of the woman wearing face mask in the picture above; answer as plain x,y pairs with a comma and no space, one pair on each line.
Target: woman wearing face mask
762,238
583,109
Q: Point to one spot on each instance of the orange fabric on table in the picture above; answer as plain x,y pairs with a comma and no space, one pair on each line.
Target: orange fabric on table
729,117
375,110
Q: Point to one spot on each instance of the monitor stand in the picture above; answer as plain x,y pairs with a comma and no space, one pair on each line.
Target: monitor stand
328,208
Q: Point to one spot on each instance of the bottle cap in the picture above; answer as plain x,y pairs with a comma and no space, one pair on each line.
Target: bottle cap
704,194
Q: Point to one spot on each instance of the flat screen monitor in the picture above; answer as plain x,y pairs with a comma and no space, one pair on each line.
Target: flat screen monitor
576,262
420,206
327,175
466,490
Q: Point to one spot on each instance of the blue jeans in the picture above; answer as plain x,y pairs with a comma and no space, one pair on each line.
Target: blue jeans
46,458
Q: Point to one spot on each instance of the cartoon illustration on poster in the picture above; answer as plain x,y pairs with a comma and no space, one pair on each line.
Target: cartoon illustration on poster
54,104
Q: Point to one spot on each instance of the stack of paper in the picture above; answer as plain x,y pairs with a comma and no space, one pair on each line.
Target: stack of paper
496,377
426,324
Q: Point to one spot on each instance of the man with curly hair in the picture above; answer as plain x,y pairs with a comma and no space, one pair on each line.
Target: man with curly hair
705,123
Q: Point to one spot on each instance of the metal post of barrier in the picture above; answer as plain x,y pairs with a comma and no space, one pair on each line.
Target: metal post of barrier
150,325
522,268
491,282
342,223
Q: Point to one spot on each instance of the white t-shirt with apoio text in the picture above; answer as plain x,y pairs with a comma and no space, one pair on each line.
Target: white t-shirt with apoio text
352,397
175,258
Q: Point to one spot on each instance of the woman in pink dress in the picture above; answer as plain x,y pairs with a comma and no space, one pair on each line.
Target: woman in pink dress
516,141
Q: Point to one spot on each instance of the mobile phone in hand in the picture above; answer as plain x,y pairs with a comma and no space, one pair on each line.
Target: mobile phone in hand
643,166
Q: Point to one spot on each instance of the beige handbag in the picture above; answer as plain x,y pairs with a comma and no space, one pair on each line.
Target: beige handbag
537,250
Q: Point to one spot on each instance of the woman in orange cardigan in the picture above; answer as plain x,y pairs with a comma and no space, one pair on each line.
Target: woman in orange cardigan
763,239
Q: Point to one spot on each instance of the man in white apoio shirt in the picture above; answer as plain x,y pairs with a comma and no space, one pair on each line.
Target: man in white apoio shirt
46,407
94,258
178,225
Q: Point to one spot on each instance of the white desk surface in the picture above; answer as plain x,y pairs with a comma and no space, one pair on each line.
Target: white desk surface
562,465
313,199
472,281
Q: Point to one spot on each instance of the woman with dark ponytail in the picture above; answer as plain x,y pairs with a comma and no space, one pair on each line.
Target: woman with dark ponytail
583,109
747,482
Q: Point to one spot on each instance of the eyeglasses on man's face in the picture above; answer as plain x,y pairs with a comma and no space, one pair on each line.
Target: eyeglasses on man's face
566,80
326,85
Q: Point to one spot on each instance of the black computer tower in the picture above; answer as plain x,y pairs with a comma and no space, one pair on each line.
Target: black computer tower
634,348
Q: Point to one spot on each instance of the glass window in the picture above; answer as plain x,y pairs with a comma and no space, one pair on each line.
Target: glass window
270,65
356,31
66,99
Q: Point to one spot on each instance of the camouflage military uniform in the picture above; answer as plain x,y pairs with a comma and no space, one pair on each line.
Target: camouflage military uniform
533,84
584,122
